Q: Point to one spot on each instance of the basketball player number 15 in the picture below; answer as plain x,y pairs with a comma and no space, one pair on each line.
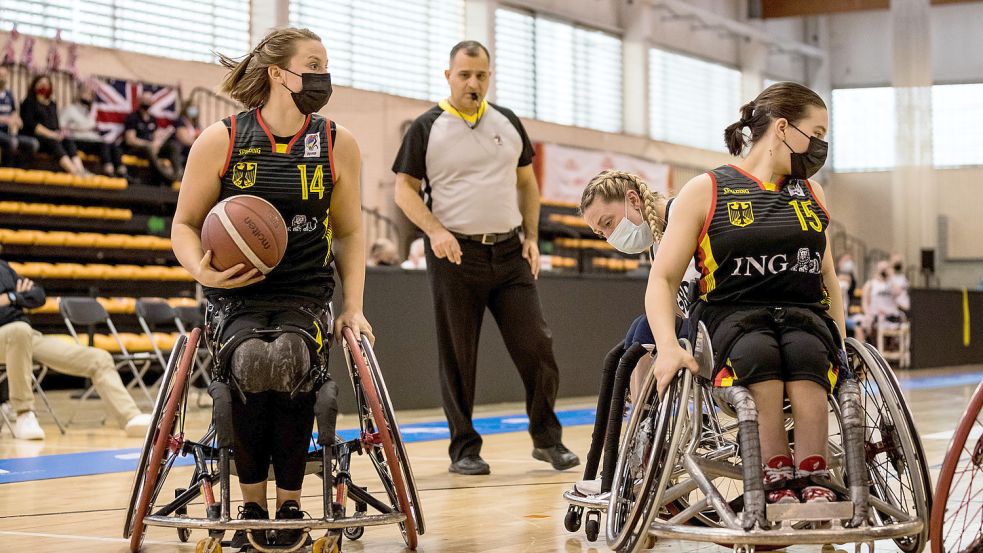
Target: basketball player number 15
807,215
316,184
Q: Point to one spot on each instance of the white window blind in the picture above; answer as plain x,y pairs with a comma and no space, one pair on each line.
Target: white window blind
556,71
691,101
394,46
957,125
863,124
183,29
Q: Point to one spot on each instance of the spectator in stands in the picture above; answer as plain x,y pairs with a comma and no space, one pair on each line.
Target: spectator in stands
418,256
846,273
383,253
79,121
11,144
899,283
880,299
21,346
40,114
142,138
186,131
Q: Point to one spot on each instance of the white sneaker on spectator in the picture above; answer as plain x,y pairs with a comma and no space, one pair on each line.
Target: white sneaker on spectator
27,427
138,425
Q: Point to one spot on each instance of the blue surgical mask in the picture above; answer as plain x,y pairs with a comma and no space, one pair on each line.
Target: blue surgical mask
628,237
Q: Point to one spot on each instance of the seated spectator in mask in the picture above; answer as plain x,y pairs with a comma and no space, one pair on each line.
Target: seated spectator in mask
79,121
383,253
39,112
879,299
899,283
142,138
13,148
186,131
418,256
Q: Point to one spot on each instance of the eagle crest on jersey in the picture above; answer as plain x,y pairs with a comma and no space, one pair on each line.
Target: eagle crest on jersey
741,214
244,174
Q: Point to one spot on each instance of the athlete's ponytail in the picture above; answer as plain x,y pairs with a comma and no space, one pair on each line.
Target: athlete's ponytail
785,100
248,80
611,185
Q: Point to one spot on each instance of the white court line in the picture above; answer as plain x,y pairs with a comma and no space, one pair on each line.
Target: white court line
83,538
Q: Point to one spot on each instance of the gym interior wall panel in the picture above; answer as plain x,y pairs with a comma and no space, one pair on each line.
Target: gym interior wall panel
946,328
587,316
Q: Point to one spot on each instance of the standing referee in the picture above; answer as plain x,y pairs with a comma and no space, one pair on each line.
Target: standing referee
473,162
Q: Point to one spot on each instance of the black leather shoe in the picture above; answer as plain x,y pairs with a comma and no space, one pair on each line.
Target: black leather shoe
470,466
559,456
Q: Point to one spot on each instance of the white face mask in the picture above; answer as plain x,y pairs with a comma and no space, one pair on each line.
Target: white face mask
629,237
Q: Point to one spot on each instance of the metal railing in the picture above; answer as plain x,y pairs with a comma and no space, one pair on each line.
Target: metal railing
211,106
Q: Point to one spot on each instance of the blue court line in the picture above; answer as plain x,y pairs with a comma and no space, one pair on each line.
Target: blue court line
124,460
45,467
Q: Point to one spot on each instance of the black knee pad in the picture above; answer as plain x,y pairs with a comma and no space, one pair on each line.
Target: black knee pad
281,364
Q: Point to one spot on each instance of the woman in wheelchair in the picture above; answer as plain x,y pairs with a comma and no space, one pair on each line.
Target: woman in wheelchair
768,292
271,332
621,208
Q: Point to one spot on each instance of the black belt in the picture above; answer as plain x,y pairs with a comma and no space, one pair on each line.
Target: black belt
489,238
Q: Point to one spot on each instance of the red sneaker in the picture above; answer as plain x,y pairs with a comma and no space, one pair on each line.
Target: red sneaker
815,465
778,470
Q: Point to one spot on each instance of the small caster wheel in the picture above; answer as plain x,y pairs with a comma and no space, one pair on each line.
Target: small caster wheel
593,525
354,532
184,534
327,544
572,519
208,545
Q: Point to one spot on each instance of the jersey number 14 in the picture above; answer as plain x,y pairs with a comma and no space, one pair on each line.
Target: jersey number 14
316,184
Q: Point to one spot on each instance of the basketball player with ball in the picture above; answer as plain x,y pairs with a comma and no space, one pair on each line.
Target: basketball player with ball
268,285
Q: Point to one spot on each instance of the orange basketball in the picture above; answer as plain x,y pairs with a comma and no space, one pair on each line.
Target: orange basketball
244,229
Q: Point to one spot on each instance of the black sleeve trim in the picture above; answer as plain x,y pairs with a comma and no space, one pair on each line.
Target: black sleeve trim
412,156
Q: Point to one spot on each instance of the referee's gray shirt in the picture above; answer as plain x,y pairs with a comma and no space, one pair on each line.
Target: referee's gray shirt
468,172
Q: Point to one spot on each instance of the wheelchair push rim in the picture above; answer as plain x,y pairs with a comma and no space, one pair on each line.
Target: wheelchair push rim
154,461
390,467
397,436
955,509
895,458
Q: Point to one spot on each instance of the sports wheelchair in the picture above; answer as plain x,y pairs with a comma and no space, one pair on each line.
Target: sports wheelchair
689,465
330,459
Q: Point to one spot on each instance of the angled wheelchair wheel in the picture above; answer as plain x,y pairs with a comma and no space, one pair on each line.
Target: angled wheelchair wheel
650,449
898,471
957,520
376,430
163,441
390,415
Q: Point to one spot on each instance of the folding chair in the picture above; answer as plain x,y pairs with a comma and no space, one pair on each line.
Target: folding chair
894,339
38,372
152,314
88,312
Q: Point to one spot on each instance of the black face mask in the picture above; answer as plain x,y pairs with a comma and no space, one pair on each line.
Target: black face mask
898,267
314,93
883,274
86,103
144,106
805,165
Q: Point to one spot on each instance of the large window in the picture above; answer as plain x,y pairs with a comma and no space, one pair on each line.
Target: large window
573,76
691,101
957,125
183,29
863,125
394,46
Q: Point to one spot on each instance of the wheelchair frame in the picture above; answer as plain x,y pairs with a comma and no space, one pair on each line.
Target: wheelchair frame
704,435
379,439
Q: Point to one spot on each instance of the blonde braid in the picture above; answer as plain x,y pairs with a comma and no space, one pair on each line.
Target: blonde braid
611,185
651,209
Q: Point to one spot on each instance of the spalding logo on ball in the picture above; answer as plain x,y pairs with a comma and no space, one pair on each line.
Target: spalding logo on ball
244,229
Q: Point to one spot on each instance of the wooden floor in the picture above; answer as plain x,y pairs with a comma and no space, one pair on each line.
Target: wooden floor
517,508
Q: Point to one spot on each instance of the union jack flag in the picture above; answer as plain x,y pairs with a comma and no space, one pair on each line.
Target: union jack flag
116,99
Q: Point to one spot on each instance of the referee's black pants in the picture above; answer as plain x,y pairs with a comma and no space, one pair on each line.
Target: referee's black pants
499,278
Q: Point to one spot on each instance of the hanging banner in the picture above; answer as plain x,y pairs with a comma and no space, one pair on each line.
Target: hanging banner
564,171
